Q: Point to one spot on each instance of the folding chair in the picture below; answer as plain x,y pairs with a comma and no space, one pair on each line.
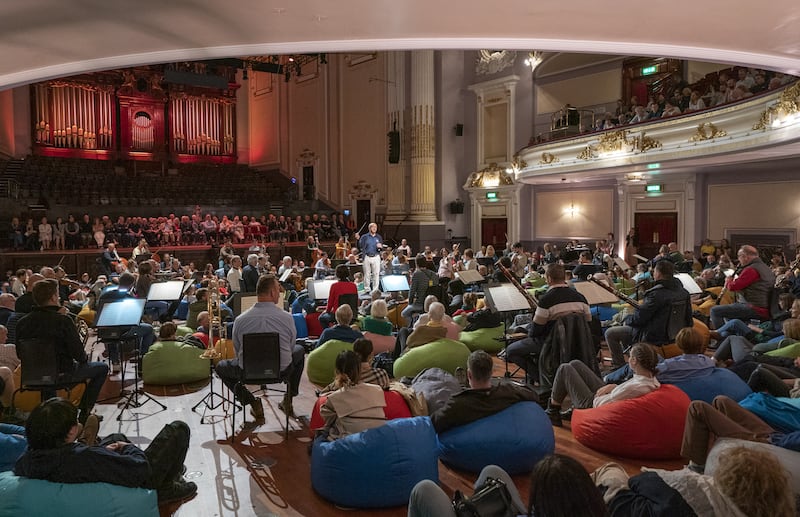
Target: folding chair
39,370
261,365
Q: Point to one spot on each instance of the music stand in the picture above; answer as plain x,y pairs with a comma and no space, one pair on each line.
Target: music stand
169,291
118,318
243,301
320,289
143,257
486,261
394,283
688,283
470,276
506,299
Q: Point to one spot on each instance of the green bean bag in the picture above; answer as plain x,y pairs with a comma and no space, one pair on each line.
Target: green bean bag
30,497
174,362
483,339
183,330
446,354
791,351
321,365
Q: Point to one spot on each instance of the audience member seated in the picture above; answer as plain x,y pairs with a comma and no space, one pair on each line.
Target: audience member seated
586,390
431,331
559,485
342,331
171,361
46,322
54,455
482,398
354,406
377,321
343,286
368,375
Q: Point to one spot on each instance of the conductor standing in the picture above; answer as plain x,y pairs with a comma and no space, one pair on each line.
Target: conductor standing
371,245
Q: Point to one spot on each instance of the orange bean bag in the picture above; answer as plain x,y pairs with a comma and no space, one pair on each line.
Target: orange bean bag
396,407
648,427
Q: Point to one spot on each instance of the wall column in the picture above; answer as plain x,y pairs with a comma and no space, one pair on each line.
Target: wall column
423,142
396,209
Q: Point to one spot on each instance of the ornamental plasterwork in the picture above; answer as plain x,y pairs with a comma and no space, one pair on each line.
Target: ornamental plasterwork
619,142
490,177
362,190
548,158
787,104
493,61
707,131
307,158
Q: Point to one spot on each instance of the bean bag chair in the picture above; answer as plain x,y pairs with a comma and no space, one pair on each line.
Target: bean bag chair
183,330
514,439
376,468
647,427
383,328
300,325
603,312
781,413
32,497
442,353
396,407
312,324
483,339
380,343
789,459
791,351
27,400
12,445
321,365
719,382
182,312
174,362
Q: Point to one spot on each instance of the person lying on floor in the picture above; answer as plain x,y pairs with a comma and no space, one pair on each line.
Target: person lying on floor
483,398
736,346
747,482
354,406
559,486
54,454
692,362
586,390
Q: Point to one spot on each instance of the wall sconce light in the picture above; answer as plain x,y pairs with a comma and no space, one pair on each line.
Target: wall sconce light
572,210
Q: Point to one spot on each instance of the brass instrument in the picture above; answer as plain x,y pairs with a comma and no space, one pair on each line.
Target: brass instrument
214,320
627,299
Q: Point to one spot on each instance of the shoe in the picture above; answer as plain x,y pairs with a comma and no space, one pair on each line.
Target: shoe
566,415
554,412
461,376
286,406
177,491
694,467
115,368
716,335
88,435
257,410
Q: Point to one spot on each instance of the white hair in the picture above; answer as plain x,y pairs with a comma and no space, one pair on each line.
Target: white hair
436,311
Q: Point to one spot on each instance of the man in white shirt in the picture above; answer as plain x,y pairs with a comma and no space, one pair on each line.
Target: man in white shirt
235,274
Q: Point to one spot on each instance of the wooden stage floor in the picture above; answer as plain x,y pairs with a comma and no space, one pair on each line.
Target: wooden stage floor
262,474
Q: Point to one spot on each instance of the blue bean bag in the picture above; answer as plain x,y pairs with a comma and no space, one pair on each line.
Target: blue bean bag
782,413
514,439
182,312
300,325
719,382
378,467
33,497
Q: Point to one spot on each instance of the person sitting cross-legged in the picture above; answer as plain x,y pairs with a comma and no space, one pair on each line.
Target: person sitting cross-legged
587,390
482,398
54,455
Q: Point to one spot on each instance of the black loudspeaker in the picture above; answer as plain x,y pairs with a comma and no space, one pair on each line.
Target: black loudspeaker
459,129
457,207
394,146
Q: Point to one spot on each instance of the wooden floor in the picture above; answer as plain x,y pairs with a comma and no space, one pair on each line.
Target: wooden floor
259,473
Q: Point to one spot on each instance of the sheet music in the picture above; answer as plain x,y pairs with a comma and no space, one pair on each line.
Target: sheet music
470,276
594,294
506,298
688,283
285,276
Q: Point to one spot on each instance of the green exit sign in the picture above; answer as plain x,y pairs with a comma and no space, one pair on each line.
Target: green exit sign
491,195
648,70
653,188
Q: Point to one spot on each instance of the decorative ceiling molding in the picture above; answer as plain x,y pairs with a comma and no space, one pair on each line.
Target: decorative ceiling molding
493,61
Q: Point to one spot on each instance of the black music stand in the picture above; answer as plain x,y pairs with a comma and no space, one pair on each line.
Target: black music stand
118,320
506,299
208,399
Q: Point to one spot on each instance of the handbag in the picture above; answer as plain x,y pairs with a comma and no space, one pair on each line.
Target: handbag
492,499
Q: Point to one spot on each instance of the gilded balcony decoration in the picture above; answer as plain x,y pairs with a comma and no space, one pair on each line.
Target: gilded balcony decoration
787,108
707,131
618,143
644,143
548,158
490,177
518,163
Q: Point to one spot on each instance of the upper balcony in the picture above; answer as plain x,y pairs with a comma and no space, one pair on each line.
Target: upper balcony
759,128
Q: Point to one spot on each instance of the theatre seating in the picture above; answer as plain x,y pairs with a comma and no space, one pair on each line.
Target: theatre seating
648,427
515,439
376,468
442,353
29,497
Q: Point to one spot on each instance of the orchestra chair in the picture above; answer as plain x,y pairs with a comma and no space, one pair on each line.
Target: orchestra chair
38,372
352,301
261,366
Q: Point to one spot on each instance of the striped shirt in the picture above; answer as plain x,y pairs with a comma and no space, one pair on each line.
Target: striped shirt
558,301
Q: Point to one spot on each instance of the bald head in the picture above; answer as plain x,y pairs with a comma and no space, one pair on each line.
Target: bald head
7,300
33,279
47,272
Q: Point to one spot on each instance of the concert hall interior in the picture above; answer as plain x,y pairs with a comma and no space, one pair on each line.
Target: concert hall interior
133,135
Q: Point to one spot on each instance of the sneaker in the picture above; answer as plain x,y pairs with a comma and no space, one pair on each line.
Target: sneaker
177,491
286,406
566,415
90,429
461,376
554,412
257,410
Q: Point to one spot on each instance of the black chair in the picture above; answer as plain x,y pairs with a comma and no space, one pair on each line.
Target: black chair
261,365
352,301
39,370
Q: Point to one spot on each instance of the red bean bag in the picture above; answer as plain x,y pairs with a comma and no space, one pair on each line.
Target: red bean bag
648,427
313,325
396,407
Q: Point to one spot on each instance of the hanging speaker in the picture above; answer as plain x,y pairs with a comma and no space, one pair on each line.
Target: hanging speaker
394,146
459,129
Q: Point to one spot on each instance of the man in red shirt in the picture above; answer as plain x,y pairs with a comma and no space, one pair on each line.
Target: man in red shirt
752,289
